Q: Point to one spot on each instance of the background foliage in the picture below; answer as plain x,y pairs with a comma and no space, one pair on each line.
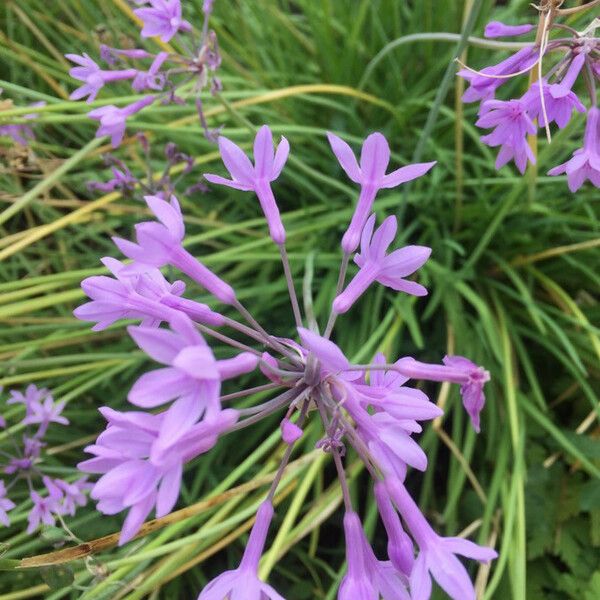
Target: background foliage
514,285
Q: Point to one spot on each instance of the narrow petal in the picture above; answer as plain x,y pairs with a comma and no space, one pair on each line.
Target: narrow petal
374,158
469,549
158,387
167,215
218,180
237,163
383,237
345,156
420,581
168,492
404,174
159,344
281,156
263,153
135,518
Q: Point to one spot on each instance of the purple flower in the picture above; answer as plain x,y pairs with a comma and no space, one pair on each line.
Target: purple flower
113,120
162,19
268,164
389,270
159,244
21,132
44,508
436,556
585,162
243,583
192,376
73,494
455,369
151,79
512,123
33,396
559,99
122,179
367,578
400,547
5,505
44,413
485,83
93,77
496,29
138,293
138,474
374,160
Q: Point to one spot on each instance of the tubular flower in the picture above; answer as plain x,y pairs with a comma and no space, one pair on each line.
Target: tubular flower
163,19
389,270
374,160
268,165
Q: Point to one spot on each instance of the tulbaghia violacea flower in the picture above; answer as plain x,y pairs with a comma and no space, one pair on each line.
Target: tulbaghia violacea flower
268,164
162,18
93,76
138,474
5,505
436,557
243,583
585,162
372,407
21,463
137,293
551,98
151,79
160,244
21,133
389,270
371,176
113,120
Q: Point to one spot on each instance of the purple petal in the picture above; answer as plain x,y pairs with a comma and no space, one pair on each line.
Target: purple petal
158,387
167,214
263,153
218,180
159,344
281,156
168,491
374,158
469,549
383,237
135,519
404,174
345,156
326,351
237,163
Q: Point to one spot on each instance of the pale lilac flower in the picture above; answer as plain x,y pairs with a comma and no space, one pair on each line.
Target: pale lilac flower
192,376
32,397
138,473
138,293
455,369
113,120
151,79
559,99
243,583
389,270
400,546
44,508
5,505
268,165
374,160
122,179
368,578
21,133
585,162
512,123
159,244
485,83
93,76
163,18
44,413
436,556
73,494
495,29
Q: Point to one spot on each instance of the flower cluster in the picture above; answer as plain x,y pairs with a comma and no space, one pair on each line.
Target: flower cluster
550,98
181,412
21,133
21,461
163,72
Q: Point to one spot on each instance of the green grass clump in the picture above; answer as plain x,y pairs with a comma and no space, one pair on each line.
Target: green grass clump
513,277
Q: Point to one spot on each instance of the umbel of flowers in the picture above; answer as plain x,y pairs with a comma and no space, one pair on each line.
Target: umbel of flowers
180,411
22,462
557,63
